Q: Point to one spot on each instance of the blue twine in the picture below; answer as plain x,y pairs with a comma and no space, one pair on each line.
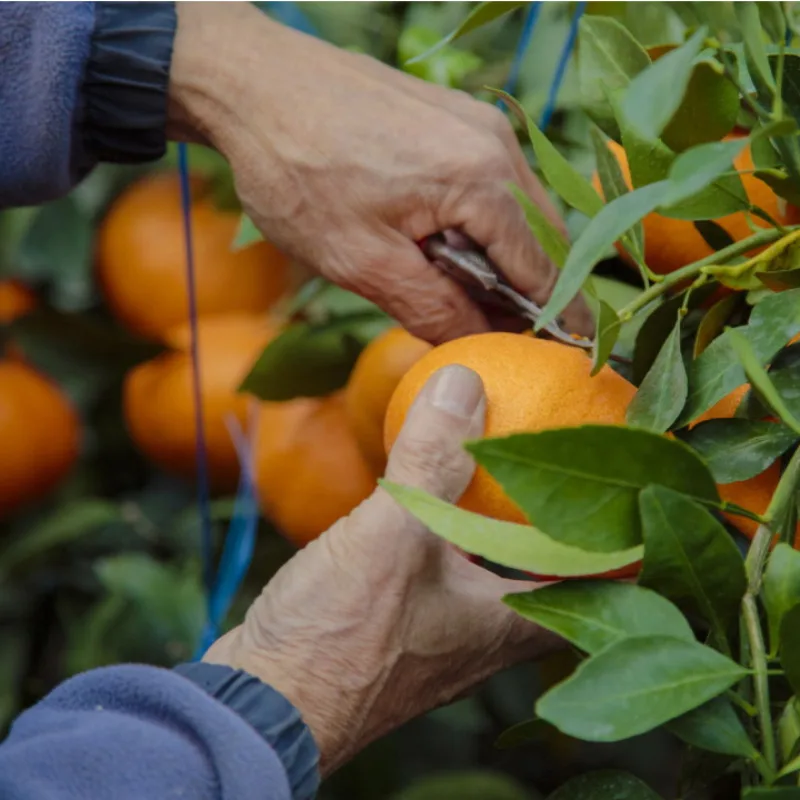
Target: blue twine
204,495
528,27
291,16
561,67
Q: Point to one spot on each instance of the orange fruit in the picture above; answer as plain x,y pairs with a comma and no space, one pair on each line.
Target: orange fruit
673,243
379,368
40,433
141,259
309,469
531,385
158,400
16,299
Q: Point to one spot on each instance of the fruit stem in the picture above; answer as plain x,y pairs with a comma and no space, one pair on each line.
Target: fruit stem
758,661
759,239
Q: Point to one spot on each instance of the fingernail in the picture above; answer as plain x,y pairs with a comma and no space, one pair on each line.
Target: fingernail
456,390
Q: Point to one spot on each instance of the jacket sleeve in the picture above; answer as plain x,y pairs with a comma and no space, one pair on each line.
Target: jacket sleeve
80,83
129,732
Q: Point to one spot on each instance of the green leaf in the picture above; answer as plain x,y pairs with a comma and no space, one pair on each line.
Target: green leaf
649,160
790,90
308,360
715,236
737,449
754,46
581,485
449,66
789,730
465,785
772,792
690,558
564,179
505,543
780,279
707,112
635,685
78,519
593,615
605,784
781,590
551,239
655,94
773,20
608,58
663,392
613,183
608,326
774,321
715,727
780,183
760,379
613,220
521,733
481,15
695,169
789,650
713,322
246,234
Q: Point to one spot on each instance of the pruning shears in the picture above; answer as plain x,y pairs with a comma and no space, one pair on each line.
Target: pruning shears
487,285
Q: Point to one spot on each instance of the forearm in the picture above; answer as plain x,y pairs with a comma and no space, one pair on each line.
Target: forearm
132,731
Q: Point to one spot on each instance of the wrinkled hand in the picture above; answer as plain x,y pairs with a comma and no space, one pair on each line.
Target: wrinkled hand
379,620
345,163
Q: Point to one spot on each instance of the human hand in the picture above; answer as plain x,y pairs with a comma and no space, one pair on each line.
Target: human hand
345,164
378,620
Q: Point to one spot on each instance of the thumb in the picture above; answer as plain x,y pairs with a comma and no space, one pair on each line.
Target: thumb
429,453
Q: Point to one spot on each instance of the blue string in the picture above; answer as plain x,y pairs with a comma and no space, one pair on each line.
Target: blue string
290,15
204,498
528,27
561,68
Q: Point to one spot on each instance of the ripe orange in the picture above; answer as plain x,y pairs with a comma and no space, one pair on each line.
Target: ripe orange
142,260
673,243
16,299
40,433
309,469
372,382
158,402
531,385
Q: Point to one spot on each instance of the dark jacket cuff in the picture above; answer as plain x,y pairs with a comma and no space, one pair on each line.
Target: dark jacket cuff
271,714
126,82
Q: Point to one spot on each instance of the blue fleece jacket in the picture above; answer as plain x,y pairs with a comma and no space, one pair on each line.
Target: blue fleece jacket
82,83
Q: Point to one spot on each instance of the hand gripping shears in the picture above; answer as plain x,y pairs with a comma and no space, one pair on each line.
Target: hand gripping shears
486,284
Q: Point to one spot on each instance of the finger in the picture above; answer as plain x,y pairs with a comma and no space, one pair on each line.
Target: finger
419,296
491,216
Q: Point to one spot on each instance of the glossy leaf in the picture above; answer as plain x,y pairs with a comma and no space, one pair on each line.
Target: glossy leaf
690,558
581,485
309,360
754,46
614,185
649,160
604,784
508,544
449,66
608,326
635,685
481,15
707,112
713,322
790,647
714,726
760,379
613,220
608,58
246,234
655,94
781,590
594,615
551,239
737,449
789,730
564,179
780,183
717,371
781,279
663,392
465,785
